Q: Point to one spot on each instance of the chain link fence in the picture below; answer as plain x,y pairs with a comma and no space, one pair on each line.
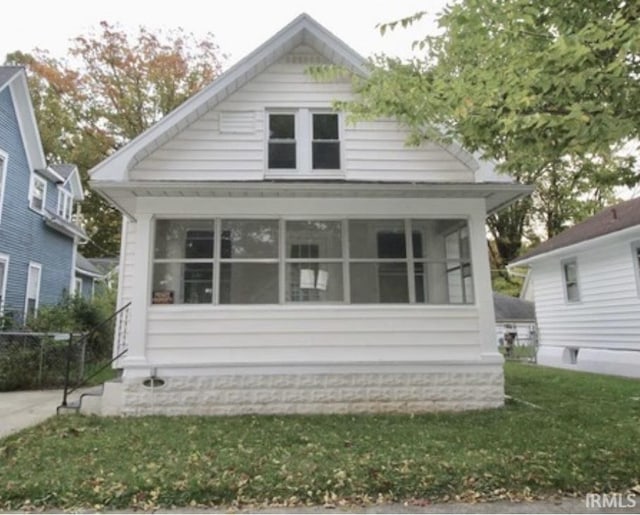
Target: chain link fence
39,360
518,341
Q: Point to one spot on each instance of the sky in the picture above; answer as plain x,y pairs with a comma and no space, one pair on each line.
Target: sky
239,26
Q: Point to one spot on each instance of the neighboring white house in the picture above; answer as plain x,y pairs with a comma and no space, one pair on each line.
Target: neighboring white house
587,293
280,260
515,317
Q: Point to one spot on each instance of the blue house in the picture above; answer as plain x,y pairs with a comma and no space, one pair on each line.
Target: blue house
39,233
89,278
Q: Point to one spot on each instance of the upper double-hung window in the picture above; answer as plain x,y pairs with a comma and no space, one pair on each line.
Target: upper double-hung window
303,141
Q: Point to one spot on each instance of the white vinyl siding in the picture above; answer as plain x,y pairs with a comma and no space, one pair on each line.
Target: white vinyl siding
608,314
218,146
3,180
189,334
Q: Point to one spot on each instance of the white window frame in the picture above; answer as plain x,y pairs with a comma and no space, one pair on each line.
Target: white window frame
635,256
465,263
65,204
38,267
4,258
563,269
77,286
32,188
4,158
303,132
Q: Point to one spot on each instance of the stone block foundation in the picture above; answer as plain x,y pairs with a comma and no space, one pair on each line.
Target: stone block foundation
375,391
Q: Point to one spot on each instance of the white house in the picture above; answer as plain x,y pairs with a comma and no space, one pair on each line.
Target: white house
280,260
586,284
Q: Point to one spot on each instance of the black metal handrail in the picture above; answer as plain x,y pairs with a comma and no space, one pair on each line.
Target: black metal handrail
68,388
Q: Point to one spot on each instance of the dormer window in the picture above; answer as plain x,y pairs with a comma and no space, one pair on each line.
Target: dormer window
65,204
37,193
303,143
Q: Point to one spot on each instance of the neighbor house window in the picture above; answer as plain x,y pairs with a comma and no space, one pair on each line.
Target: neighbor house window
65,204
570,276
78,286
635,249
4,272
3,177
304,141
301,261
37,193
33,290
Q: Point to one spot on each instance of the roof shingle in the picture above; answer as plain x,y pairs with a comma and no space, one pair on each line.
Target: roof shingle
609,220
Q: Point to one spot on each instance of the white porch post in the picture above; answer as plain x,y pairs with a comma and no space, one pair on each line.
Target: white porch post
137,338
482,283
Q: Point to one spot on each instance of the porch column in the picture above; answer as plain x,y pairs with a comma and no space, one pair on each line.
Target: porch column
137,338
482,283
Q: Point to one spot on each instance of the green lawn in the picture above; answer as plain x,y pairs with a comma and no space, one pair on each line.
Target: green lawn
584,437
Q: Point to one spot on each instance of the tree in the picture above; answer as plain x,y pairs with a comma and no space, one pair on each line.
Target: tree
548,89
110,88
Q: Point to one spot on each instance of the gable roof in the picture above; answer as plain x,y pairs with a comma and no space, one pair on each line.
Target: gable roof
512,309
302,30
70,174
7,73
609,220
15,78
86,267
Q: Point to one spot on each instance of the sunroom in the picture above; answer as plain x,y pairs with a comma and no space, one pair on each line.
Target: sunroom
240,261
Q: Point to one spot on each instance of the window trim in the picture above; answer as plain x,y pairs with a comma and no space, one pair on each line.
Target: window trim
296,141
4,258
36,178
37,266
77,286
635,256
563,265
346,261
64,197
303,130
4,160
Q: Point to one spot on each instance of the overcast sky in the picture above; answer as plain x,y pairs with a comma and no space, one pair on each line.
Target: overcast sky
239,26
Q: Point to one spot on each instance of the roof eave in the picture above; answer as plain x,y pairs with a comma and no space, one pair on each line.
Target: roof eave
576,247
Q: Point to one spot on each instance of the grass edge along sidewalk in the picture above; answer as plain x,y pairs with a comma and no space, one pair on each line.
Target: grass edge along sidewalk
575,434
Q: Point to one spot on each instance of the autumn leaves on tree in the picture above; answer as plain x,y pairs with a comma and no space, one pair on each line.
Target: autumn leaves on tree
108,89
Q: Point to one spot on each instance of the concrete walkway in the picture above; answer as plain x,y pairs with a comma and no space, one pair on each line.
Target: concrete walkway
19,410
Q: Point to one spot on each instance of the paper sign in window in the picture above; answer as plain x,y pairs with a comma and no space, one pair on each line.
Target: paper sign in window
323,279
307,278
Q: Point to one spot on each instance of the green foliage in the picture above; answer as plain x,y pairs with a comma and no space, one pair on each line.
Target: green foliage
110,88
564,446
38,360
508,285
547,89
31,362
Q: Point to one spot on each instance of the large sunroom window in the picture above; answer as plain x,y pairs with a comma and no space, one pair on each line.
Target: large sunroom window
271,261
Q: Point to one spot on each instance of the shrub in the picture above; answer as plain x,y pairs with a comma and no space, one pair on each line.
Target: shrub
36,361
